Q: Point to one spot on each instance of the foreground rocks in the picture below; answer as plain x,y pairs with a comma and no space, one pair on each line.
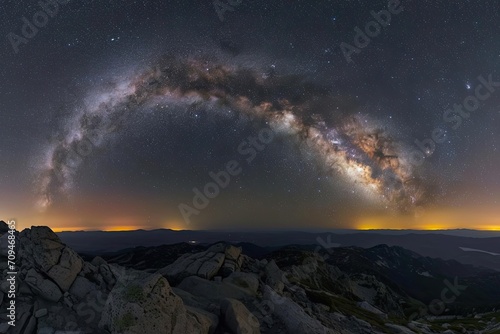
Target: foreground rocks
218,290
60,292
148,305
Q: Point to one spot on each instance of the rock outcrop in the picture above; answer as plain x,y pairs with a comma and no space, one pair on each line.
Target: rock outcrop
219,259
45,288
4,228
59,292
148,305
293,316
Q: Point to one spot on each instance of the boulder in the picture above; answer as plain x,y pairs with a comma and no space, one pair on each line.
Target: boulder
233,260
275,278
195,262
204,264
97,261
237,317
197,302
41,246
44,288
246,281
219,258
148,305
232,252
180,265
81,287
107,275
229,267
88,270
207,320
65,272
41,313
211,267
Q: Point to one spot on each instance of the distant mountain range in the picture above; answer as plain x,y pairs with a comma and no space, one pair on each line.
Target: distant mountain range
406,272
465,249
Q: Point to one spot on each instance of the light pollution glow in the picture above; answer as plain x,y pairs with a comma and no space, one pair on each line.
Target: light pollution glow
485,219
60,224
444,219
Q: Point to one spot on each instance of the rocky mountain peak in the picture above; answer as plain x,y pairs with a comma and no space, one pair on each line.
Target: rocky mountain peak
203,289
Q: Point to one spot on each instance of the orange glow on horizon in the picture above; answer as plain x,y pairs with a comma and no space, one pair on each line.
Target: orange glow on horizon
122,228
105,228
174,225
474,218
111,227
434,220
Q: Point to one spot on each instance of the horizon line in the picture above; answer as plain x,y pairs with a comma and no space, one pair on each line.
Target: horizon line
310,230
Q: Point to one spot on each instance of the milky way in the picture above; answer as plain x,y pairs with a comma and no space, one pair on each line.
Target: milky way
352,147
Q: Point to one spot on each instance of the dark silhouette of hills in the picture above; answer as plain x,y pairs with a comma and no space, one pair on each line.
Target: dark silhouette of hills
467,250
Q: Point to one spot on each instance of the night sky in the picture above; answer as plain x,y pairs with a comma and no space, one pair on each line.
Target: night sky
112,112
